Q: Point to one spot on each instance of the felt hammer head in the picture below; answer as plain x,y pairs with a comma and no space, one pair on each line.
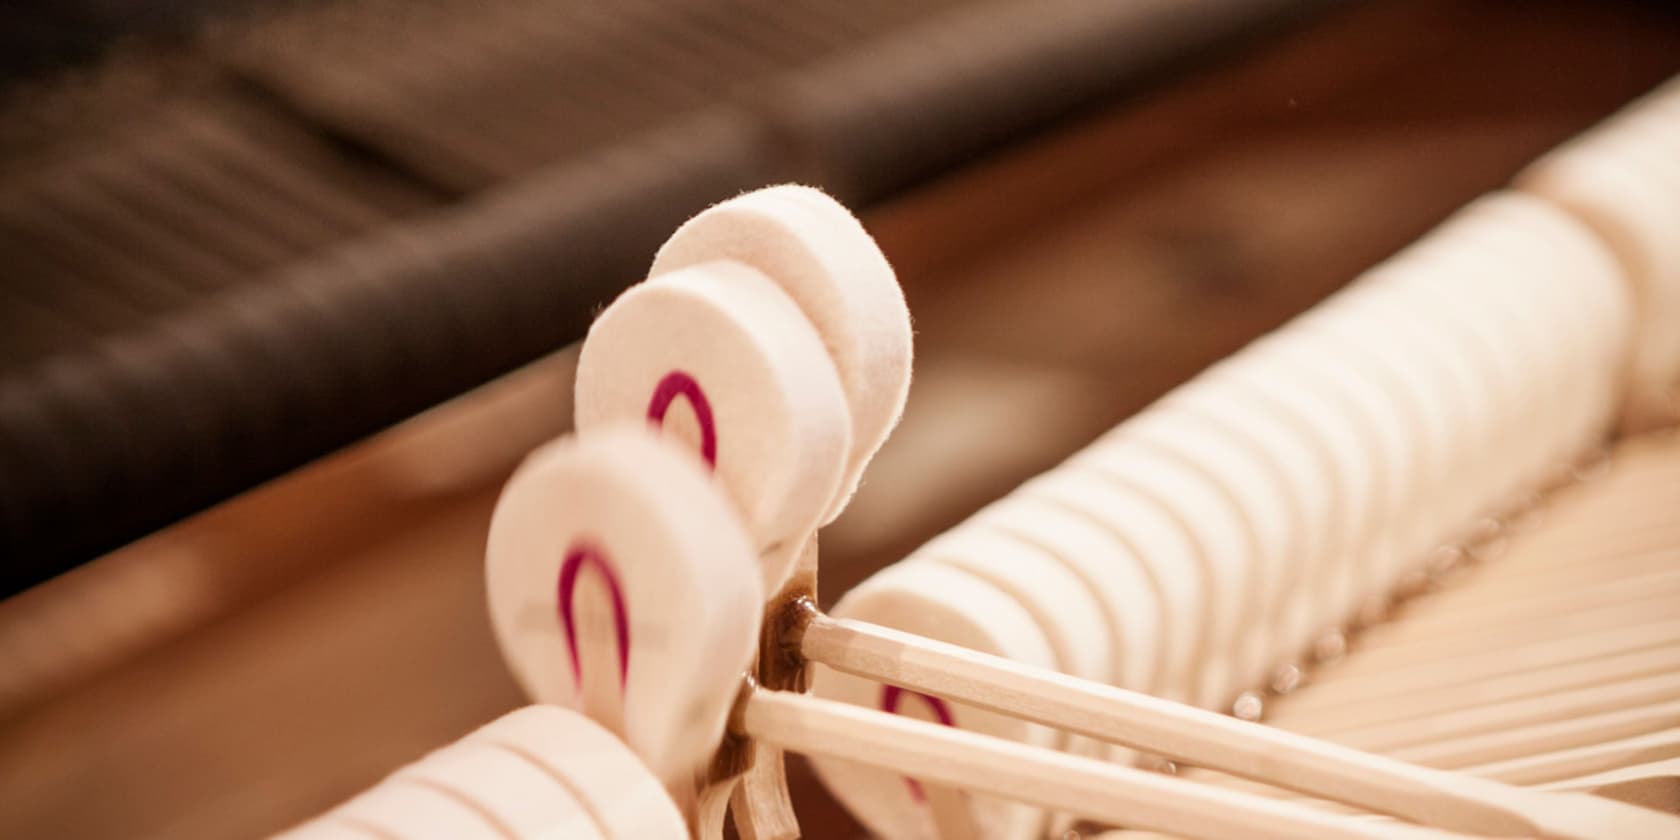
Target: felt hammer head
817,251
718,356
622,584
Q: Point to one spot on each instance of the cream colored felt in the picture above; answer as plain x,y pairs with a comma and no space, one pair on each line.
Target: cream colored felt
1060,603
1151,537
1418,342
518,796
1507,306
937,602
618,792
1463,285
1577,273
412,810
1396,537
1443,342
1125,592
1409,523
1634,213
1222,554
1545,326
665,600
328,829
1484,299
1272,519
1412,375
818,252
1336,424
1572,349
1491,281
1621,180
1561,382
1426,516
725,359
1266,427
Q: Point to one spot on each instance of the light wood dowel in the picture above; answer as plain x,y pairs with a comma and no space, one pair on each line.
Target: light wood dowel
1185,733
1581,761
1450,670
1667,769
1093,789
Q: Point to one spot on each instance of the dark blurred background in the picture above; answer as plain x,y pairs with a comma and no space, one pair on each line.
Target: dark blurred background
288,288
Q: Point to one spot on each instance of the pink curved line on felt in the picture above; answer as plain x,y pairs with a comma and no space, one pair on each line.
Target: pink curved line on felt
679,384
890,697
580,555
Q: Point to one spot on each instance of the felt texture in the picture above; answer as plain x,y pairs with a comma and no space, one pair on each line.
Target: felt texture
1393,447
333,829
1332,422
400,808
1148,535
519,797
943,603
1292,486
1588,321
1221,556
1533,303
1454,365
619,792
1305,470
779,431
1060,603
539,771
1272,519
1426,398
1129,608
819,253
1472,273
1623,180
686,570
1299,481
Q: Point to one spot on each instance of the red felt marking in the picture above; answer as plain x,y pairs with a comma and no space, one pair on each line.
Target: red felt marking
584,554
890,697
679,384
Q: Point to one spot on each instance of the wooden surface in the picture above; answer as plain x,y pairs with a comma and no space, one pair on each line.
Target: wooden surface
261,662
1546,663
